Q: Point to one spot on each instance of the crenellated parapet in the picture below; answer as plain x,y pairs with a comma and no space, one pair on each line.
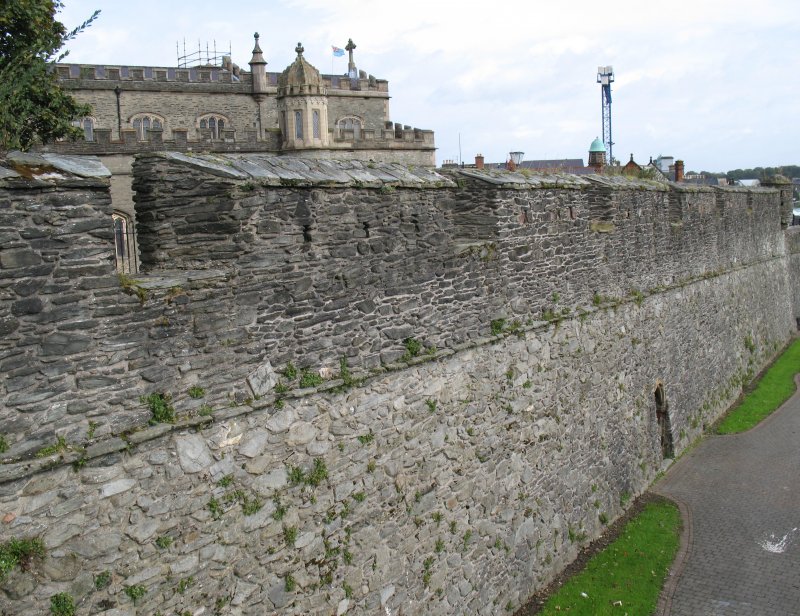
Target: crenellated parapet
167,78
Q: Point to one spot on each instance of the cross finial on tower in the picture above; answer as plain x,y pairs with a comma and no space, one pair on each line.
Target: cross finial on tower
351,66
299,49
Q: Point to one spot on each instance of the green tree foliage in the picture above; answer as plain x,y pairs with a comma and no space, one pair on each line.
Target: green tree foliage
764,173
33,108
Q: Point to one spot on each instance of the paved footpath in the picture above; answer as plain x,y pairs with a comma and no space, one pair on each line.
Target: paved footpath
740,500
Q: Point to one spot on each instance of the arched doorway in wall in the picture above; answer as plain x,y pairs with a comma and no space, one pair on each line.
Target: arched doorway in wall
124,243
662,416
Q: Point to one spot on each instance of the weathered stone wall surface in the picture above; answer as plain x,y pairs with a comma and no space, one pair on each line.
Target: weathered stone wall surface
793,248
459,475
348,271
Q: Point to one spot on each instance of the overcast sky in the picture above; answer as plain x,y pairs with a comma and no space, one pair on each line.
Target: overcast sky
714,82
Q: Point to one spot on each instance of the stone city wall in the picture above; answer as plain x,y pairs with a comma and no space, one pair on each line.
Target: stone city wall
793,248
502,338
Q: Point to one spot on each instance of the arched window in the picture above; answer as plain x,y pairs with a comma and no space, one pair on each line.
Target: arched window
214,123
88,125
316,123
124,243
298,124
352,123
143,122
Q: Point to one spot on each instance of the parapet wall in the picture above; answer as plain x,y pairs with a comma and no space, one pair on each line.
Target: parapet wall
405,144
210,78
366,263
502,336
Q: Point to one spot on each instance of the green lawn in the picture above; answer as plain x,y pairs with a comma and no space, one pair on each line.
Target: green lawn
774,388
626,577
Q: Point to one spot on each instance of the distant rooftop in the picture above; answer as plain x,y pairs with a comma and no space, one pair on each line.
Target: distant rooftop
564,165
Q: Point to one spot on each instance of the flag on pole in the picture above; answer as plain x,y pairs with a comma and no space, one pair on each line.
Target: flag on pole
338,52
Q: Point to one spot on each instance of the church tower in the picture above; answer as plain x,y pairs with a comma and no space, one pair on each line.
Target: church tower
302,106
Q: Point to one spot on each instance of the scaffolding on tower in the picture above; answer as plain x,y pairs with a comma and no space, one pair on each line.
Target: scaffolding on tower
605,77
208,57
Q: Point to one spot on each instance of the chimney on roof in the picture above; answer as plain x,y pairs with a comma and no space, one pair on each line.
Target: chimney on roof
679,171
479,161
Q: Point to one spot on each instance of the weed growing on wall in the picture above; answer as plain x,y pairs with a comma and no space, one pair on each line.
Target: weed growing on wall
318,474
60,446
131,286
196,392
366,439
62,604
102,580
135,592
215,508
20,553
290,372
413,347
161,409
290,535
310,379
185,584
314,477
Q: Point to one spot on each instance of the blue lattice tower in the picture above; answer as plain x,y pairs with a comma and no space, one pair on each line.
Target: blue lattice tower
605,77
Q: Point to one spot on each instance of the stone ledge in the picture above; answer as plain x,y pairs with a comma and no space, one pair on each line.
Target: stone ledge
300,172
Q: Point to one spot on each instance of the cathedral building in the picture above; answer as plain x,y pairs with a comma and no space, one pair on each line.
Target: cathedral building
219,107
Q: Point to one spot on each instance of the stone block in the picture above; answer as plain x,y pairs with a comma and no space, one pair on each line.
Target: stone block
65,344
263,379
10,259
193,453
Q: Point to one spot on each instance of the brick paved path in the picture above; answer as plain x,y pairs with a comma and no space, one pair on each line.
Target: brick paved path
740,499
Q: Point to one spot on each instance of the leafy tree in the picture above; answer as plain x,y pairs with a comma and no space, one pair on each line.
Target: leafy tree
33,107
763,173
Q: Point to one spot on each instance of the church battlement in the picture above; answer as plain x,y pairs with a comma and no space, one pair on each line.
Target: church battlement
77,76
144,108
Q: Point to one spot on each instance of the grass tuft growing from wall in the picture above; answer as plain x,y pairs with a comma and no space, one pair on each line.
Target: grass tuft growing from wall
627,576
772,390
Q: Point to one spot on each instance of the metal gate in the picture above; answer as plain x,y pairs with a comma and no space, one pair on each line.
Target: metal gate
124,244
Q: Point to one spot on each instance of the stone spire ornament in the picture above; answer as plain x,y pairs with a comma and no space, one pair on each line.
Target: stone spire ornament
351,66
258,68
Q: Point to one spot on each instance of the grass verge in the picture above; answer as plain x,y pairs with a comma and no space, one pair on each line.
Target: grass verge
772,390
626,577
